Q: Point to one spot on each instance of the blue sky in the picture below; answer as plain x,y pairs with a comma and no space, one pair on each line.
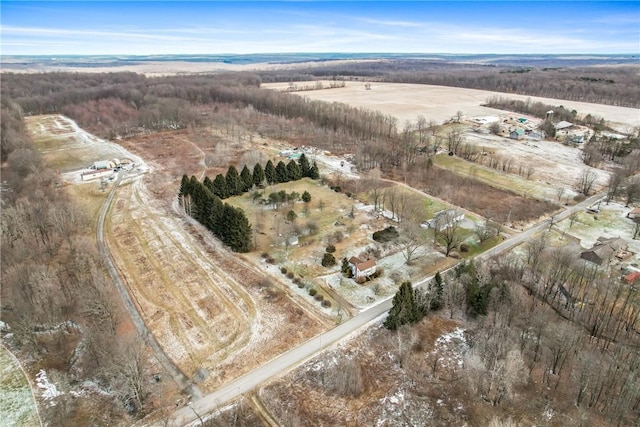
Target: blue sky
212,27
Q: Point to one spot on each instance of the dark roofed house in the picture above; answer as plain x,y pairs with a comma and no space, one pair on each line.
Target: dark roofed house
604,250
361,268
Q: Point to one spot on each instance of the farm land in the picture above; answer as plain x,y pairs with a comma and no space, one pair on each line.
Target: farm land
223,315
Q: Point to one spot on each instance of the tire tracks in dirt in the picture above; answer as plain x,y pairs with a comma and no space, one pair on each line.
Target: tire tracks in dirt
176,373
180,263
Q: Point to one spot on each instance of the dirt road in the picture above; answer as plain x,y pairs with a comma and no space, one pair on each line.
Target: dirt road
178,376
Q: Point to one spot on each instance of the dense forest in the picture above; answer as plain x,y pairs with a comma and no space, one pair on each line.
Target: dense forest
64,313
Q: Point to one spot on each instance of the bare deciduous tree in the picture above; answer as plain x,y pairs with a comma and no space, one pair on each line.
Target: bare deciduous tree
585,181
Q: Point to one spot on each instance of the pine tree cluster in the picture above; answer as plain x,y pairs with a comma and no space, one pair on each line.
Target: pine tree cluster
226,222
233,184
404,310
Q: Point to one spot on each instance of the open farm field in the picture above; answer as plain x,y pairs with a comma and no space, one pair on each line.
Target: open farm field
441,103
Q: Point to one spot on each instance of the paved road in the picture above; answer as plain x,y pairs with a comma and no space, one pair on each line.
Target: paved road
305,351
178,376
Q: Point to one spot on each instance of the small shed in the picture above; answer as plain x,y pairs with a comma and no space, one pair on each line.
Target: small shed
516,134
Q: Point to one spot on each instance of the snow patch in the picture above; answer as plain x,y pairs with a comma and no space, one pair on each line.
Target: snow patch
451,348
49,390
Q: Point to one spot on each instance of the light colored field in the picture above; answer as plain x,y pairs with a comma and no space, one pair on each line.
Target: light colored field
441,103
17,406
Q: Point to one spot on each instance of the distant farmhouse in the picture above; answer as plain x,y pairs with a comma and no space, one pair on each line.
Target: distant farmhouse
605,249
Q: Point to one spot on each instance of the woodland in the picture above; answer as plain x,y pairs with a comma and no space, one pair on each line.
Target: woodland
531,341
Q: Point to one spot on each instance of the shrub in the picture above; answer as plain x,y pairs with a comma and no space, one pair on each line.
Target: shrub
296,280
331,249
326,303
290,275
377,273
318,297
264,255
464,247
328,260
283,270
388,234
313,291
270,260
300,285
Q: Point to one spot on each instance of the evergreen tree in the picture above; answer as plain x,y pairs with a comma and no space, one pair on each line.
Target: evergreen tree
346,268
306,197
258,175
328,260
193,184
314,173
208,183
234,185
220,186
185,188
246,179
270,173
436,290
293,171
282,175
236,232
404,310
304,165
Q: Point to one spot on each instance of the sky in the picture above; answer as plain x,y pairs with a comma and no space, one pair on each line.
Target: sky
216,27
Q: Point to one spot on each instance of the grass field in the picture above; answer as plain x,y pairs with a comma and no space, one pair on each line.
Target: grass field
494,178
17,407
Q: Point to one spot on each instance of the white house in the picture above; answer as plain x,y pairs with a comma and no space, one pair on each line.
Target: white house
361,268
445,219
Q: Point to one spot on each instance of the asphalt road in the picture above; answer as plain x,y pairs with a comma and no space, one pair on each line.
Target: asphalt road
289,360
